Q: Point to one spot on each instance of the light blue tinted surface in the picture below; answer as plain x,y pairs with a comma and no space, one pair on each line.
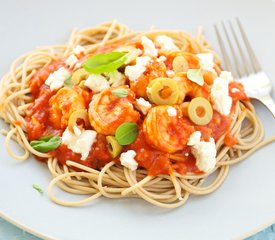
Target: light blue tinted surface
11,232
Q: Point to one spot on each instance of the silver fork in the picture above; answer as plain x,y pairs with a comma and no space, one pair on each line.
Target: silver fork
245,67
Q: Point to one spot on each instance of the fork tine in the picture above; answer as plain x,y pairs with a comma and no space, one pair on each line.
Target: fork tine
237,64
245,70
255,64
223,50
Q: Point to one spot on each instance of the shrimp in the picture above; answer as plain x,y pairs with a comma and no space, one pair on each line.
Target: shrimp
190,89
62,105
153,70
165,132
107,111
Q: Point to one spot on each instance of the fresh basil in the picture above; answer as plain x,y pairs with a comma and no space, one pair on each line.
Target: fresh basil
37,188
195,75
46,143
68,82
120,92
104,63
126,133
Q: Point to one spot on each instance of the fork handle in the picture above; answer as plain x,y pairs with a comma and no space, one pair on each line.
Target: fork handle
269,103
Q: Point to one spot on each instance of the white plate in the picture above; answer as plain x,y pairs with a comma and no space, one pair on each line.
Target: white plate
243,204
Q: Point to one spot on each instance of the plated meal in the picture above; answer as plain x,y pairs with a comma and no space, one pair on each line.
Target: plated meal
117,113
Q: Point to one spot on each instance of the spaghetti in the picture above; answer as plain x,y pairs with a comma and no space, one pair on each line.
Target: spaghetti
167,185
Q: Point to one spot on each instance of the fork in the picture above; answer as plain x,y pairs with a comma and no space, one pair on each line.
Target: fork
245,67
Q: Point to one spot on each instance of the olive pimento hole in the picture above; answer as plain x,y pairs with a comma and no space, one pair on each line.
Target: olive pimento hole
200,111
165,92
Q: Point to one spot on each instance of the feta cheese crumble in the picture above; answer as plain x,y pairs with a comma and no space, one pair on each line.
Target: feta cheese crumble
135,71
148,47
56,79
207,61
143,105
222,102
79,49
172,112
166,43
127,159
227,76
204,152
71,61
235,90
79,143
97,83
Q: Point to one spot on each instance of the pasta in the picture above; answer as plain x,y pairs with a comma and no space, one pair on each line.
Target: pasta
179,91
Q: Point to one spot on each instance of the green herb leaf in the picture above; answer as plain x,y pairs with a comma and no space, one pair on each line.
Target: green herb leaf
37,188
46,143
195,75
120,92
102,63
126,133
68,82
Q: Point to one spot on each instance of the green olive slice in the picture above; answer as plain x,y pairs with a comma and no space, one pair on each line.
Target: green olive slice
76,115
200,111
163,91
113,146
79,75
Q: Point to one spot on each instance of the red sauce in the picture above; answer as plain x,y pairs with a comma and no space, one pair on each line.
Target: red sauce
230,140
97,158
237,92
155,161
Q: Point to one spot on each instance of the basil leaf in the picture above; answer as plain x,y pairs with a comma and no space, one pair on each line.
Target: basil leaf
126,133
37,188
102,63
195,75
46,143
68,82
120,92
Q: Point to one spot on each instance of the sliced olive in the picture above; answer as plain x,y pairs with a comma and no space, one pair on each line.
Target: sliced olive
163,91
79,75
180,64
76,115
113,146
200,111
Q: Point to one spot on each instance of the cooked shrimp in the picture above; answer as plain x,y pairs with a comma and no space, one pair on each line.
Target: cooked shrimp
107,111
153,70
166,131
63,104
189,88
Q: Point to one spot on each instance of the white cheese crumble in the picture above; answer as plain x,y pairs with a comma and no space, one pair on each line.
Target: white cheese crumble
204,152
170,73
127,159
71,61
82,143
166,43
226,76
235,90
79,49
135,71
219,94
207,61
143,105
97,83
148,47
57,78
161,59
172,112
